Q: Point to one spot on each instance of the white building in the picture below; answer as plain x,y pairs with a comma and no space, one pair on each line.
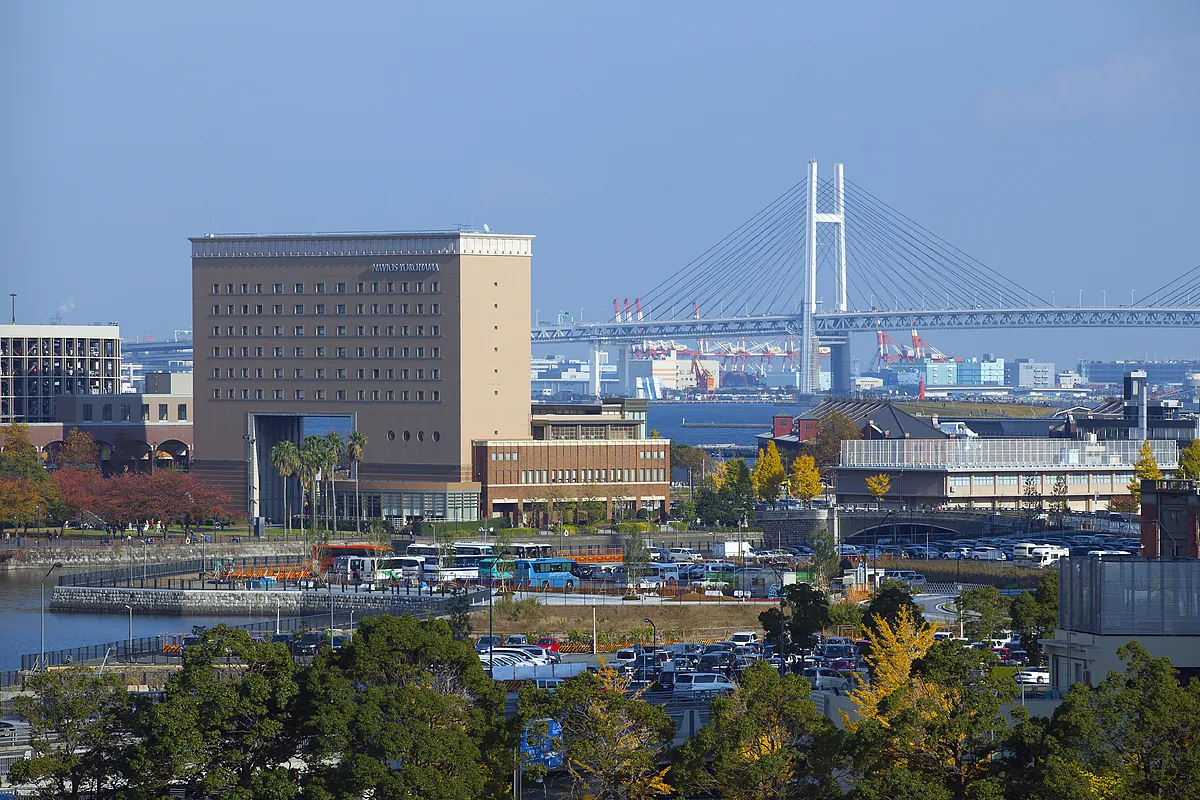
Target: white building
39,363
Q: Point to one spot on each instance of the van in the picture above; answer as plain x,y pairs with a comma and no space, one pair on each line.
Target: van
744,637
683,554
703,683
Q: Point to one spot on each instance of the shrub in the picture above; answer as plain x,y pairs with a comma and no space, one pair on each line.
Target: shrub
633,527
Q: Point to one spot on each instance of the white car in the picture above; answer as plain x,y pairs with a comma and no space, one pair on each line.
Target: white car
1027,676
682,555
744,637
624,657
988,554
825,678
703,683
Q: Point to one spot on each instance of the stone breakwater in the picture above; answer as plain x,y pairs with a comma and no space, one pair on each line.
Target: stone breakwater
219,602
81,557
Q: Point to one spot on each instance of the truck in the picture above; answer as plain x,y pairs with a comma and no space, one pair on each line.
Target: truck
731,549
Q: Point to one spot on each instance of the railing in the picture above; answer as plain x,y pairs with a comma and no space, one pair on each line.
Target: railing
1003,453
124,576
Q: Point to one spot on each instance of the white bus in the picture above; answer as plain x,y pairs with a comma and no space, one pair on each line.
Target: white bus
354,568
403,569
529,550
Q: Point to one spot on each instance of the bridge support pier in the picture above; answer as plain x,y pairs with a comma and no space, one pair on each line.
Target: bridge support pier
594,372
839,364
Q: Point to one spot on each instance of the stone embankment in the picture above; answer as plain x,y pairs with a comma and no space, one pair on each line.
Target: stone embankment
219,602
75,557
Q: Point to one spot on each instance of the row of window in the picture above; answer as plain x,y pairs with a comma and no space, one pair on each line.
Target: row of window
338,352
630,475
338,308
643,454
341,373
373,287
404,395
106,412
1074,479
437,436
339,330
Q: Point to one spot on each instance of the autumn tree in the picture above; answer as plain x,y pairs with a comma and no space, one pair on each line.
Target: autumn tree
826,447
897,642
80,489
612,741
1031,496
765,742
1189,462
767,475
1123,504
79,450
1144,469
804,482
879,485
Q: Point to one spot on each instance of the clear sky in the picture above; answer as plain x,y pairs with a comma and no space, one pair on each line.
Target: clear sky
1056,142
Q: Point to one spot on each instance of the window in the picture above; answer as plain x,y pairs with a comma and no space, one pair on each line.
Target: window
341,352
320,352
375,308
320,308
341,373
229,331
391,330
258,309
360,374
181,412
258,288
406,436
404,286
216,394
278,308
359,309
420,352
258,373
436,330
420,374
320,330
320,288
960,480
320,373
229,288
420,330
391,352
362,394
278,288
437,374
299,308
216,288
1008,480
391,287
277,372
258,394
360,331
245,394
404,374
437,436
216,310
404,397
245,372
258,330
124,412
299,373
216,330
433,309
258,351
341,394
229,372
278,330
420,308
299,288
360,287
162,412
420,286
87,407
341,330
420,395
299,394
319,394
436,353
279,394
360,352
435,288
404,352
391,374
299,330
375,287
245,330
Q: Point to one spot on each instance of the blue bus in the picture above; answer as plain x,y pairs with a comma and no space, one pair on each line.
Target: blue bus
542,573
489,571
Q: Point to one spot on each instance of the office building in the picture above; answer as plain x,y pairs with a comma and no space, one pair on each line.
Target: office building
988,371
41,363
1158,373
995,473
1025,373
419,340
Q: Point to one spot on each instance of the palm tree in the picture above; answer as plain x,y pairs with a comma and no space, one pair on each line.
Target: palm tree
355,449
312,459
285,457
333,453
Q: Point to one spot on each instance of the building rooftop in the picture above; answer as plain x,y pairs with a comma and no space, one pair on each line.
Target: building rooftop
881,414
966,454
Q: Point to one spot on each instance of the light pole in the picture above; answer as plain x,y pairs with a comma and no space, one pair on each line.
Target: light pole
653,633
491,588
57,564
129,644
352,619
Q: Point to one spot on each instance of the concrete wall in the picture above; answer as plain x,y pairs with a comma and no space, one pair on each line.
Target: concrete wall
77,558
224,601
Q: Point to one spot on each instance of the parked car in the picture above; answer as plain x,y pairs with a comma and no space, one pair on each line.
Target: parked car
988,554
626,656
485,643
744,637
1033,675
549,643
516,639
824,678
699,683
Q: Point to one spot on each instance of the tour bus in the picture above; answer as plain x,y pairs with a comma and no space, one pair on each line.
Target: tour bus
527,550
422,550
325,554
473,549
402,569
489,572
553,573
357,569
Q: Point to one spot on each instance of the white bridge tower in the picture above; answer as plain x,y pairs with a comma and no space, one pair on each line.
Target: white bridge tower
810,359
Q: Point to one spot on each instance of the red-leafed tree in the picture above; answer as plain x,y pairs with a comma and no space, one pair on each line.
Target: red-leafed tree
80,489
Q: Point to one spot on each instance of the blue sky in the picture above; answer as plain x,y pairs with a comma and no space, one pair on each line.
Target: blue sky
1055,142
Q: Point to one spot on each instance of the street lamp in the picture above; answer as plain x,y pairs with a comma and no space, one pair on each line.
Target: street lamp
57,564
653,633
129,644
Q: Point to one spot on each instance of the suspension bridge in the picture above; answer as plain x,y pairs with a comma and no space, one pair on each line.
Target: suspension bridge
888,273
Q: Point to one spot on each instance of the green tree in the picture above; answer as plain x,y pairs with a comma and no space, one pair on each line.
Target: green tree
982,612
1059,505
612,741
766,742
334,447
767,476
78,726
635,555
1035,615
846,613
738,489
1189,462
404,710
825,558
1131,736
805,481
826,447
693,459
1144,469
228,725
879,485
285,458
312,460
887,604
809,612
356,448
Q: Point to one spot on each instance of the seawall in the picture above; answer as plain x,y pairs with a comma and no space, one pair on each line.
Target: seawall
213,602
76,557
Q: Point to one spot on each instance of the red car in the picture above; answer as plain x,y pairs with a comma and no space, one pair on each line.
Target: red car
548,643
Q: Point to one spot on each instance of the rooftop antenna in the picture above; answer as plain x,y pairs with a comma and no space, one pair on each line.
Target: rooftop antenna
486,229
13,295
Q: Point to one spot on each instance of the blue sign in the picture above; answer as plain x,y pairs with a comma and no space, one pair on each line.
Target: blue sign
541,743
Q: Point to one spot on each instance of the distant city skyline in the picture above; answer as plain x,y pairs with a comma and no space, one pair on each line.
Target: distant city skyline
627,138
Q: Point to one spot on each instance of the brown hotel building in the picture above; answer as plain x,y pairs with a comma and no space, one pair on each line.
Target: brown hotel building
419,340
